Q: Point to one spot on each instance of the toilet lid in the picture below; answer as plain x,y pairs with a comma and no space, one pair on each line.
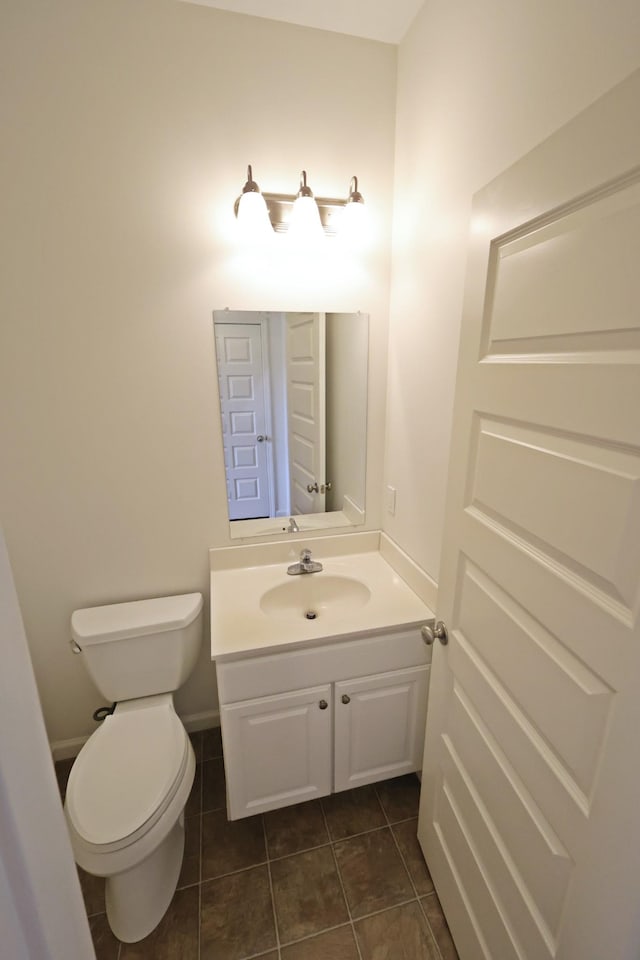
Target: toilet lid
125,772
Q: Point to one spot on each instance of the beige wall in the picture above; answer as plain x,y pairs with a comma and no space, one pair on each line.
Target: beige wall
129,124
479,84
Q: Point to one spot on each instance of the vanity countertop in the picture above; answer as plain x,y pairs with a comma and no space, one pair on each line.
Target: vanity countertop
261,609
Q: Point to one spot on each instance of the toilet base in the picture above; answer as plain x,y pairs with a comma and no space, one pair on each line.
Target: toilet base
137,899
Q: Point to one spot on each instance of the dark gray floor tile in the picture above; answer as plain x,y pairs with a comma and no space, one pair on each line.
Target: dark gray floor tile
194,802
372,872
307,894
353,811
236,917
105,943
400,797
228,846
92,892
175,936
397,934
297,828
336,944
214,795
406,835
211,743
190,872
439,926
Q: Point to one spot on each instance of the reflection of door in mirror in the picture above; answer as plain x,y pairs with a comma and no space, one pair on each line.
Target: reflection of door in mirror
245,409
306,411
293,400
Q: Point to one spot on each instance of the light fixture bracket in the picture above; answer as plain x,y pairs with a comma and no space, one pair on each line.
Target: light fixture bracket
280,206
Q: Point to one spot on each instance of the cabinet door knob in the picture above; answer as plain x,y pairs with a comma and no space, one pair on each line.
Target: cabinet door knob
346,698
323,704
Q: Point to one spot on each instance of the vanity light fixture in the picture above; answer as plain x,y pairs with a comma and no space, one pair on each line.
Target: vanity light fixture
251,210
351,222
305,224
301,211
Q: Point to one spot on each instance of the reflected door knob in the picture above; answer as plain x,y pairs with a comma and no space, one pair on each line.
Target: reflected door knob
312,487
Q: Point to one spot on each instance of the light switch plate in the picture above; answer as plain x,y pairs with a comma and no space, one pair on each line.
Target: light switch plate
390,499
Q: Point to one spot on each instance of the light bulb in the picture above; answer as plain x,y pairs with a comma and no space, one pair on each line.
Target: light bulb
253,217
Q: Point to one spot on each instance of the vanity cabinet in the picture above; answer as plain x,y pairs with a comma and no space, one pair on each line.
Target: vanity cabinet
288,739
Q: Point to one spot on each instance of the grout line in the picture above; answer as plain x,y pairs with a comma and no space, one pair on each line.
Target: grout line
394,906
273,899
317,933
344,894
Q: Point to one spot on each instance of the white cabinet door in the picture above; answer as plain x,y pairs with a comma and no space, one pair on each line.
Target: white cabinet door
278,750
379,726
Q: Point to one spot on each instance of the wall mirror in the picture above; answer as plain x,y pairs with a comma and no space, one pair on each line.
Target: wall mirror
293,403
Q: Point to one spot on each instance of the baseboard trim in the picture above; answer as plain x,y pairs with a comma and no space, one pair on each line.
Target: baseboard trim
67,749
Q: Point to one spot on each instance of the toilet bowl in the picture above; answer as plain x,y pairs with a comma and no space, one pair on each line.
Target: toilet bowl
130,782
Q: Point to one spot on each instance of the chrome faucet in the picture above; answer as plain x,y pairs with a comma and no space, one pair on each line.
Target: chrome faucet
304,565
293,526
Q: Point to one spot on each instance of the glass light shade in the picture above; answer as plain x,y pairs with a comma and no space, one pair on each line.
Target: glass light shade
353,222
305,225
253,217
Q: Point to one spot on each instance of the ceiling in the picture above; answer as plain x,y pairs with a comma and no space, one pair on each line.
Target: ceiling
385,20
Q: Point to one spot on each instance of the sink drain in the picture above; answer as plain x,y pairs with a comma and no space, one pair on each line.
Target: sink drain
311,614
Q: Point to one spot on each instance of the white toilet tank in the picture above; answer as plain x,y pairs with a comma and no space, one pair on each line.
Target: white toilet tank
140,648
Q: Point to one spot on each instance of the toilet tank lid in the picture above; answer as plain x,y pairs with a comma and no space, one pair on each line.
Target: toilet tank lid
116,621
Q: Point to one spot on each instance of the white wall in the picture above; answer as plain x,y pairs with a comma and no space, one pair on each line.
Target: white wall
127,127
479,84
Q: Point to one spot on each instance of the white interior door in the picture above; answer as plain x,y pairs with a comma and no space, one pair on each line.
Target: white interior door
530,809
306,411
244,406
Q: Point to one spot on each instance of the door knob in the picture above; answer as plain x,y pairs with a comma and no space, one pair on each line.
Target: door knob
312,487
261,438
433,630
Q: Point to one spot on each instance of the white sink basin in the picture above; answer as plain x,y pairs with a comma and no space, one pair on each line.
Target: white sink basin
260,608
312,595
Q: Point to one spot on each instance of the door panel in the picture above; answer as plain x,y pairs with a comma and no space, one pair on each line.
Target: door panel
530,812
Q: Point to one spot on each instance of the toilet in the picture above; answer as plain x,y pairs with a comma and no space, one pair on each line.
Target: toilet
130,782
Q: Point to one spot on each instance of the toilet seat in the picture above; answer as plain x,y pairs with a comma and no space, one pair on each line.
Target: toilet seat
127,773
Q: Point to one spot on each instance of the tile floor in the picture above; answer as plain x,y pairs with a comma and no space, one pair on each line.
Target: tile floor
342,878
